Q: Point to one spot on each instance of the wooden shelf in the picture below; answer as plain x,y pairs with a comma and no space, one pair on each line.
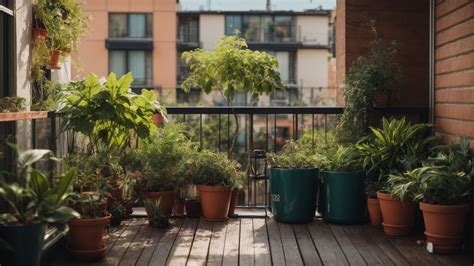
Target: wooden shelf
17,116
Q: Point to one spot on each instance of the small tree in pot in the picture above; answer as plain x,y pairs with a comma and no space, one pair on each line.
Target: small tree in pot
342,186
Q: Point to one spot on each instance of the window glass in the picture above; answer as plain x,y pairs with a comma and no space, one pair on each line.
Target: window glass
252,28
118,25
118,62
284,65
233,23
137,26
137,62
136,65
189,29
282,28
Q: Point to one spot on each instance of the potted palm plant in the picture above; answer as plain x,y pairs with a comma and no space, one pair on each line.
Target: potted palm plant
342,186
34,201
397,147
294,183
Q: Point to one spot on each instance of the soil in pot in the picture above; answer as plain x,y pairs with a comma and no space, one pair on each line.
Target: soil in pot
54,60
233,203
166,199
26,240
445,226
215,202
375,214
193,208
398,216
86,234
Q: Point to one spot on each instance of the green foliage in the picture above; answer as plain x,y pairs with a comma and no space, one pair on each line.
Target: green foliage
155,216
407,185
33,197
108,114
212,169
374,72
395,148
295,155
321,141
12,104
118,211
341,158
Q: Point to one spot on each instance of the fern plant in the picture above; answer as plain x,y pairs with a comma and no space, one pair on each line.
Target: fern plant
155,217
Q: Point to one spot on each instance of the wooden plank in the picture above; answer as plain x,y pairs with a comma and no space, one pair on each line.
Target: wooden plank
261,243
353,255
134,251
17,116
276,246
381,241
150,244
308,250
123,242
368,249
246,254
231,248
290,246
416,255
216,247
200,248
326,244
182,246
162,250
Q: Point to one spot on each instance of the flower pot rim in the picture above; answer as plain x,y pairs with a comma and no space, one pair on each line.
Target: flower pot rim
214,188
100,220
294,169
151,193
342,172
442,207
372,200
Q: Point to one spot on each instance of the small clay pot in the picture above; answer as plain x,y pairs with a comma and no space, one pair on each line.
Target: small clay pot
374,211
166,199
54,59
215,202
398,216
87,234
40,34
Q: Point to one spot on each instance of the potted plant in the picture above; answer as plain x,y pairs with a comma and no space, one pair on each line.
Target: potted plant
294,183
34,201
156,217
213,174
445,195
12,104
118,212
342,182
395,148
239,184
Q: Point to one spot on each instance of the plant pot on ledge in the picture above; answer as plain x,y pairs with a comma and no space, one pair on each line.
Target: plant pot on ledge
445,226
39,34
398,216
54,60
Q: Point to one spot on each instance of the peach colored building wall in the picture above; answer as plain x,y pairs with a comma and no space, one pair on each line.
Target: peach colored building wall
93,55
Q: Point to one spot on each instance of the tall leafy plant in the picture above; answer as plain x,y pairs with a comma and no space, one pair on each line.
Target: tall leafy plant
230,68
376,71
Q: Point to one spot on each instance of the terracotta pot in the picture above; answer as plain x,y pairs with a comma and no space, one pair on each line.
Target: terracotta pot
87,234
233,202
88,255
374,211
157,119
54,60
382,99
40,34
179,208
215,202
398,216
166,200
193,208
445,226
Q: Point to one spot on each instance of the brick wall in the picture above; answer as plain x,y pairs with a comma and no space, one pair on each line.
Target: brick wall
454,69
405,21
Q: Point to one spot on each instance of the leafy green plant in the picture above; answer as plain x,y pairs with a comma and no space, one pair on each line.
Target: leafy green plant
341,158
212,169
397,147
295,155
155,216
108,114
230,68
118,212
12,104
374,72
407,185
33,197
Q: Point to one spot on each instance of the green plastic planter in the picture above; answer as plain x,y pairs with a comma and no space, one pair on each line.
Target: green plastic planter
293,194
26,240
343,198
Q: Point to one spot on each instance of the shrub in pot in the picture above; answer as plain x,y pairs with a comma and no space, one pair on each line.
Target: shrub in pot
214,175
118,212
445,194
294,183
239,184
155,215
395,148
342,198
34,201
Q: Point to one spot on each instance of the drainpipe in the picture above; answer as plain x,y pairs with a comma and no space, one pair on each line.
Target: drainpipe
431,118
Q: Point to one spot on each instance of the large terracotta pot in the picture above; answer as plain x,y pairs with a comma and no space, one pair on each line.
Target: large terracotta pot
233,202
166,200
86,234
54,59
398,216
157,119
374,211
215,202
444,226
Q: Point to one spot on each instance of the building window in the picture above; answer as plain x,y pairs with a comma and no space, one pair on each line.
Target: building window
182,70
137,62
188,30
286,65
261,28
6,36
131,25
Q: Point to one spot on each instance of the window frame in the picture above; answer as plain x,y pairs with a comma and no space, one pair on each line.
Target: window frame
148,54
148,27
6,82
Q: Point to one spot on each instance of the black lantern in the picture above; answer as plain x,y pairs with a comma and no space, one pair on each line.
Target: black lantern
259,166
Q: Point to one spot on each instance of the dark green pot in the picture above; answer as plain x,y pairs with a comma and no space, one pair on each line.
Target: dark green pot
343,198
26,240
293,194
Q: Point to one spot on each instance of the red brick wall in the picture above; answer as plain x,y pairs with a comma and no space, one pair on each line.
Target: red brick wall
405,21
454,69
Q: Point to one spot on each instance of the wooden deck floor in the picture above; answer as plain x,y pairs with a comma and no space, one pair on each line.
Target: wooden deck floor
259,241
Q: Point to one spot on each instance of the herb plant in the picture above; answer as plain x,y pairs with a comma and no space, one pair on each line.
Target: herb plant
295,155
